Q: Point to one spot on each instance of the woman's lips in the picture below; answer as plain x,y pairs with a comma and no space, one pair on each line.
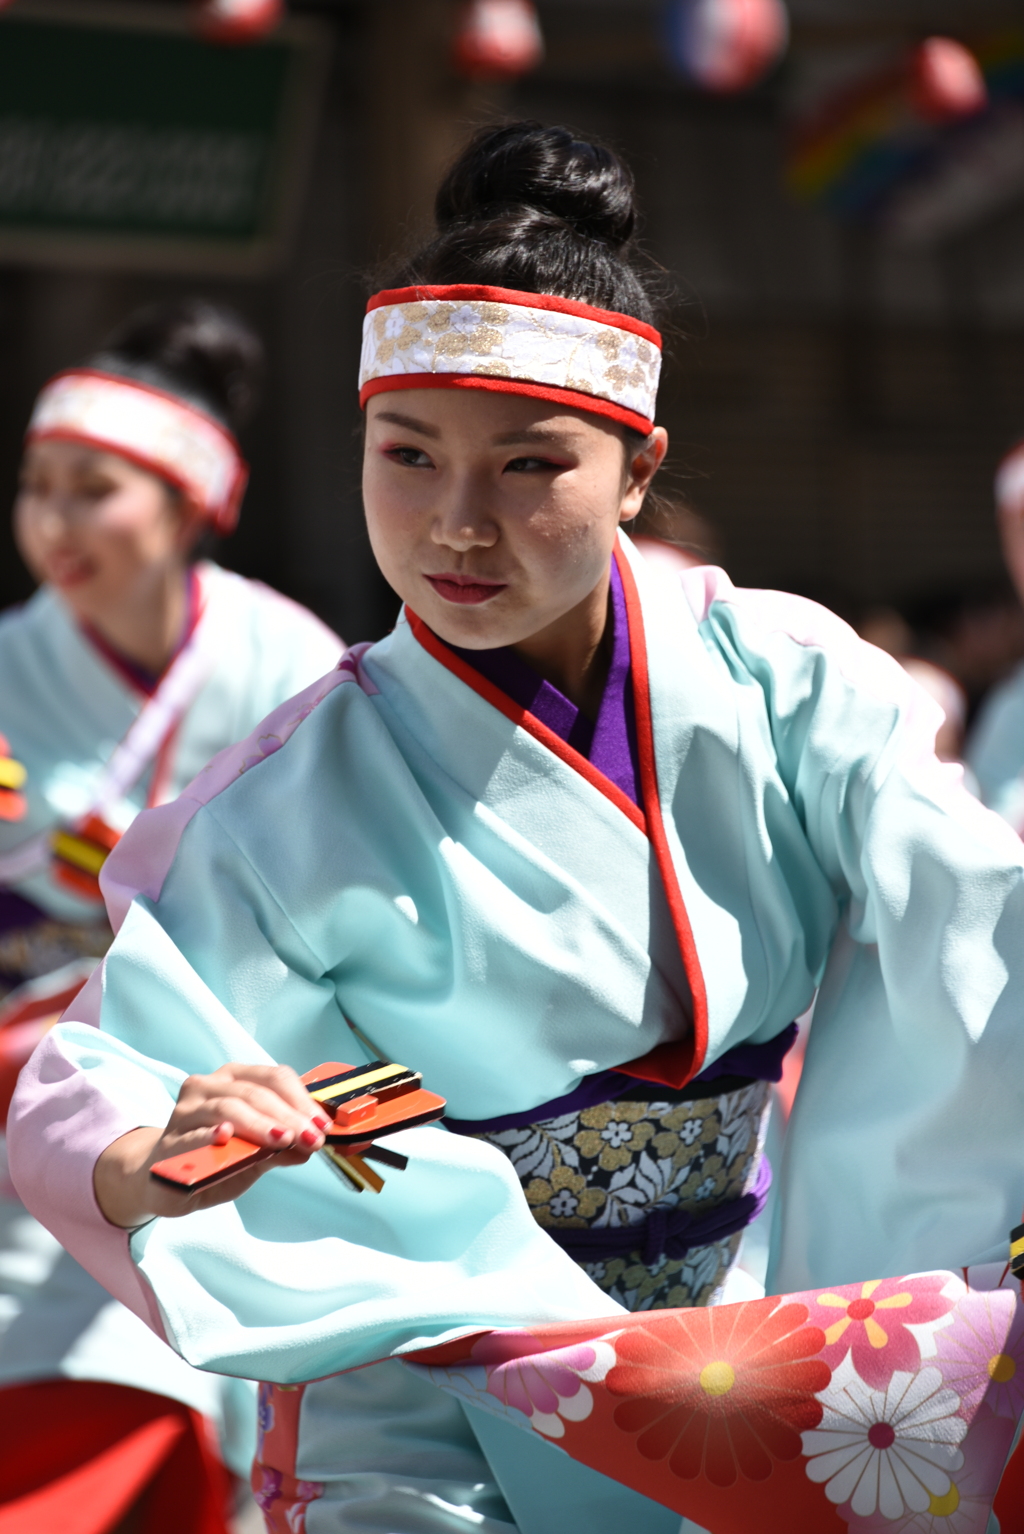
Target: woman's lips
463,590
68,571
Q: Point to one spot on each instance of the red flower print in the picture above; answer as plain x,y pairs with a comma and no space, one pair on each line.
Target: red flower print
870,1322
720,1392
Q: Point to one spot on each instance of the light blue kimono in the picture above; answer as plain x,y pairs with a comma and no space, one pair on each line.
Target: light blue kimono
392,849
63,709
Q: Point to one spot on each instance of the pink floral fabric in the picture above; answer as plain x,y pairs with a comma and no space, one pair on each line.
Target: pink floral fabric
887,1407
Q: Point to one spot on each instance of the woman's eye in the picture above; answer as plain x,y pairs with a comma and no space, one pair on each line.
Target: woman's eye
532,466
409,457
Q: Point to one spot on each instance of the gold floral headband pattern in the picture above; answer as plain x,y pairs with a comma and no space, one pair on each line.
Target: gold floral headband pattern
519,343
156,430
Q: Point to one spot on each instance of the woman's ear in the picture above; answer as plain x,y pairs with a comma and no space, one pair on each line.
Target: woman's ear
641,468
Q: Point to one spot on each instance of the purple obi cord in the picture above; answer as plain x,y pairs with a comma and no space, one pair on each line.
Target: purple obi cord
667,1230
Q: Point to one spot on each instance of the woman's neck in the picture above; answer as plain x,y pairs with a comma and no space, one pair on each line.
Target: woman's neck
574,652
145,625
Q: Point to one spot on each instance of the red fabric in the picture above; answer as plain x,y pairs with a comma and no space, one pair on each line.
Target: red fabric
78,1454
574,399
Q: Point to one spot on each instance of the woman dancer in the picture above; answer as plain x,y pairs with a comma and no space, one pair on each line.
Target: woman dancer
129,668
577,841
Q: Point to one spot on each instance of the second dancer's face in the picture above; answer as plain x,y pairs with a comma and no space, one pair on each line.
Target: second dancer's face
95,526
494,515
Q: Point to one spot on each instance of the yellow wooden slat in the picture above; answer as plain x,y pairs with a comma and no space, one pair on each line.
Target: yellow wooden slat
364,1082
81,854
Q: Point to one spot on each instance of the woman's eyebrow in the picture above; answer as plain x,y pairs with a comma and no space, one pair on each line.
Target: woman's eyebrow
408,421
534,434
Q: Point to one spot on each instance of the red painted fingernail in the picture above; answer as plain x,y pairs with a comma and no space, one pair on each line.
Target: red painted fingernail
309,1137
277,1133
321,1122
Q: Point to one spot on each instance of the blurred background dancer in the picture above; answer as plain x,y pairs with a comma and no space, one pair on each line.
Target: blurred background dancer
996,750
133,664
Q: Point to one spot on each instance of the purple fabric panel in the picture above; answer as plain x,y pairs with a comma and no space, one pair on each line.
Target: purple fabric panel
614,749
18,912
610,743
518,680
763,1062
667,1231
756,1062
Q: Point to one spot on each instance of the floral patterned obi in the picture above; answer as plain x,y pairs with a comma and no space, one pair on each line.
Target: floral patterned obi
649,1191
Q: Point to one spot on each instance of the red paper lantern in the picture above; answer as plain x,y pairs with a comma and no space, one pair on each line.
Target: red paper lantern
498,40
238,21
727,45
946,81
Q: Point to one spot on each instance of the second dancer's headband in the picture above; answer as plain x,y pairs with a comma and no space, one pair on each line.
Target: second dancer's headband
470,337
150,427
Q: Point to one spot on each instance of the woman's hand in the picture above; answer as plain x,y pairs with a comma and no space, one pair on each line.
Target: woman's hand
266,1104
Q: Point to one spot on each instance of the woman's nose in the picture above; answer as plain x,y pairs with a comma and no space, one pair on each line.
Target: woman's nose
462,521
55,514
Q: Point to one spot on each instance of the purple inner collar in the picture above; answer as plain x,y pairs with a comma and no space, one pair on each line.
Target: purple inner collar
609,742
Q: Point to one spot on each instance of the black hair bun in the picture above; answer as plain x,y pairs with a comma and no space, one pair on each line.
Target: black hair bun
526,165
201,351
541,211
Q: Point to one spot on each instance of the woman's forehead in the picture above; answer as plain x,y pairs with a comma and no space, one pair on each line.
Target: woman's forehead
78,459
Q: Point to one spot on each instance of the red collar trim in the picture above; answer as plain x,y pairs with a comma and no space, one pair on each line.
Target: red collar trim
474,293
671,1064
524,719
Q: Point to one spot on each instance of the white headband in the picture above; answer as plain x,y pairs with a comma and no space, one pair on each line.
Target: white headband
1010,477
156,430
519,343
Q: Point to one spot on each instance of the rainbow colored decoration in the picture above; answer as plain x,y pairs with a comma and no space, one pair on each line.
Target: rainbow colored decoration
870,138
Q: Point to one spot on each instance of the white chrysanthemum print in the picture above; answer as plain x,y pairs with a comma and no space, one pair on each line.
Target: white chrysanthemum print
886,1450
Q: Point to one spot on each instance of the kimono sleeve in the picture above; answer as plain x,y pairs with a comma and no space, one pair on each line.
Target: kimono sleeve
300,1277
906,1147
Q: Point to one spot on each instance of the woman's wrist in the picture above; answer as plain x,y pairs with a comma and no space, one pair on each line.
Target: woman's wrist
125,1192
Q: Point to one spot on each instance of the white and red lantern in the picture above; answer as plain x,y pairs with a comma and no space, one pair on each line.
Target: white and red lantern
237,21
945,80
497,40
726,45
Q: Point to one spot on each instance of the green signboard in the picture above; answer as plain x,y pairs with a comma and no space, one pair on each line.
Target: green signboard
126,140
